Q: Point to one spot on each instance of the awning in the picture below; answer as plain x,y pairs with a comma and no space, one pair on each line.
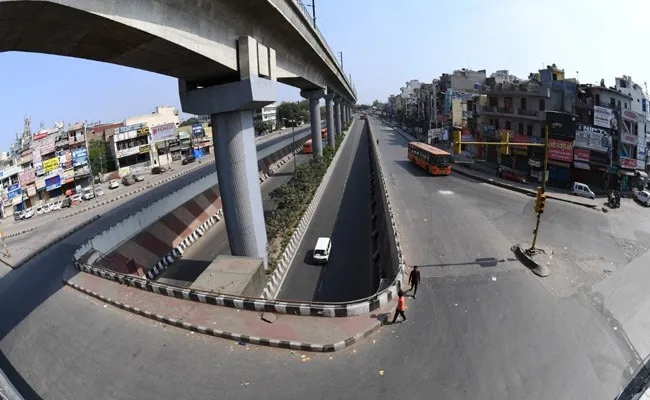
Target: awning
581,165
642,174
626,172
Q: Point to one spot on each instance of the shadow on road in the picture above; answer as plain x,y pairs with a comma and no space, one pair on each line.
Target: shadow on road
481,262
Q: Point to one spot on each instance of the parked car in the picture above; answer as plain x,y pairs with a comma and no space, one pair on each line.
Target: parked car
18,215
128,180
46,208
188,159
158,170
87,194
513,176
67,202
28,213
57,204
114,184
138,178
99,191
580,189
643,197
39,210
76,199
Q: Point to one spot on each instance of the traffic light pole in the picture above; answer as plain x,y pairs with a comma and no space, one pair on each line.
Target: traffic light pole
505,149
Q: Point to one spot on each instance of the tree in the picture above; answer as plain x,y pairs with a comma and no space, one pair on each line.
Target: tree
100,158
190,121
262,127
297,111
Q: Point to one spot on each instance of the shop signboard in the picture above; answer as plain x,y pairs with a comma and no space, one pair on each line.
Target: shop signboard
79,157
51,164
197,130
640,164
163,132
629,115
605,118
127,152
581,155
560,150
628,163
628,138
145,149
592,138
561,124
31,190
39,135
519,139
48,146
26,176
39,183
129,128
68,174
53,183
9,171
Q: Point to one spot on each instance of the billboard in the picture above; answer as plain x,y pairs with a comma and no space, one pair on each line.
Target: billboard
592,138
197,130
605,118
26,176
560,150
163,132
51,164
79,157
561,124
581,155
53,183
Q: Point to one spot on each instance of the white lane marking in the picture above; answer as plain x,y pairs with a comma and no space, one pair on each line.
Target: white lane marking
445,192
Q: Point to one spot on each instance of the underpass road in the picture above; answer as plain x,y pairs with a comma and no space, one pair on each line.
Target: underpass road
215,242
343,215
467,336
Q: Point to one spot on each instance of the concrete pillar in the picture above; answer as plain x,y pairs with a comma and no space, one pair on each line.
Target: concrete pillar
337,114
314,97
329,116
231,106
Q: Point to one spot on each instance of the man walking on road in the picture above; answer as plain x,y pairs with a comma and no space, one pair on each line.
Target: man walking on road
401,307
414,280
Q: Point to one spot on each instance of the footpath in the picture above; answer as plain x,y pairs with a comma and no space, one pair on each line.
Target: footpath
316,334
484,172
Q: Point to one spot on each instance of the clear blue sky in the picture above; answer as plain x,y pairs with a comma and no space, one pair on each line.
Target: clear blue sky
384,44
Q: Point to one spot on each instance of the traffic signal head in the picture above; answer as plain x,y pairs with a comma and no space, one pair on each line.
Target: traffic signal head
542,202
505,139
540,199
458,147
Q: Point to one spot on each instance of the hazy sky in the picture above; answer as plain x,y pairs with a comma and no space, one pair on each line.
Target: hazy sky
384,44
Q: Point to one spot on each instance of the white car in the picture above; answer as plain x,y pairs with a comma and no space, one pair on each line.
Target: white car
643,197
76,199
28,213
114,184
39,210
322,250
46,208
56,205
88,194
99,191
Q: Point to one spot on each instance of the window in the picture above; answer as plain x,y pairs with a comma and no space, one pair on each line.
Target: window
554,76
612,102
522,103
521,128
625,104
542,105
508,125
529,130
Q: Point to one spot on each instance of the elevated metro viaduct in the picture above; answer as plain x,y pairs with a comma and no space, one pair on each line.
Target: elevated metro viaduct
227,56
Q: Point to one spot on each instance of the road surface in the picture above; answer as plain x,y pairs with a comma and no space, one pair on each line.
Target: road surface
343,215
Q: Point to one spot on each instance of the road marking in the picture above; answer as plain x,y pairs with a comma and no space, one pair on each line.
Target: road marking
445,192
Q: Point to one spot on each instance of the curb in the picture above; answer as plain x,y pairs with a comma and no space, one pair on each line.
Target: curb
55,241
537,269
283,344
518,189
169,258
277,278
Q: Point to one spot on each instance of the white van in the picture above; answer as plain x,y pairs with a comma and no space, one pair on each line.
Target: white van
580,189
322,250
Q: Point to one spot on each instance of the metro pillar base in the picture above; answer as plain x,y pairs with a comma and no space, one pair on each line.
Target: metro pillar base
329,115
337,114
314,97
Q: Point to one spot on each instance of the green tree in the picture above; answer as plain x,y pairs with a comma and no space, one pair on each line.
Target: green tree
190,121
297,111
262,127
100,158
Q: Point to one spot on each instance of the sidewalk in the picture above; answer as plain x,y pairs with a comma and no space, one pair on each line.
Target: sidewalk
481,171
317,334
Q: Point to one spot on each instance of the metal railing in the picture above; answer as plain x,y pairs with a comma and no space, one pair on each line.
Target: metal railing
308,16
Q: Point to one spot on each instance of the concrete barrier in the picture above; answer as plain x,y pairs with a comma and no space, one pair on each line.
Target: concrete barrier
277,278
7,390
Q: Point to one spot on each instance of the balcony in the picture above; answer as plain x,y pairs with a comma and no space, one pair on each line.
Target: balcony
519,91
509,112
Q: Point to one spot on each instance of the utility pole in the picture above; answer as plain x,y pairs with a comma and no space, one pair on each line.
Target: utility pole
313,11
341,57
541,193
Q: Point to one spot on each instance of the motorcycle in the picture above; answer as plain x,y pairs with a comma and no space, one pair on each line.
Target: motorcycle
613,200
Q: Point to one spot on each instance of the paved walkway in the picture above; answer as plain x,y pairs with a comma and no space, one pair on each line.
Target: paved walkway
319,334
485,172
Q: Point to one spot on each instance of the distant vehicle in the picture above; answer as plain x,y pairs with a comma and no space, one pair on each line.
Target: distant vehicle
188,159
28,213
46,208
513,176
87,194
76,199
138,178
128,180
431,159
67,202
99,191
582,190
643,197
114,184
39,210
57,205
18,215
322,250
158,170
307,147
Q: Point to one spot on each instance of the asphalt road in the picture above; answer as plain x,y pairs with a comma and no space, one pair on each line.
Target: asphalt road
195,260
467,336
343,215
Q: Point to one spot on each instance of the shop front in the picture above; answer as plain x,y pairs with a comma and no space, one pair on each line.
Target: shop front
560,157
519,154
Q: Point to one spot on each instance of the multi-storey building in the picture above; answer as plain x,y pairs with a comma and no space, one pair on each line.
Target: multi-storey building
267,114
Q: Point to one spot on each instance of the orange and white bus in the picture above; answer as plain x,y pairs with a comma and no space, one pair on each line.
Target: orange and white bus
431,159
306,148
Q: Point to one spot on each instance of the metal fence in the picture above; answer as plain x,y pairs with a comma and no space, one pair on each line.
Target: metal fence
308,16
